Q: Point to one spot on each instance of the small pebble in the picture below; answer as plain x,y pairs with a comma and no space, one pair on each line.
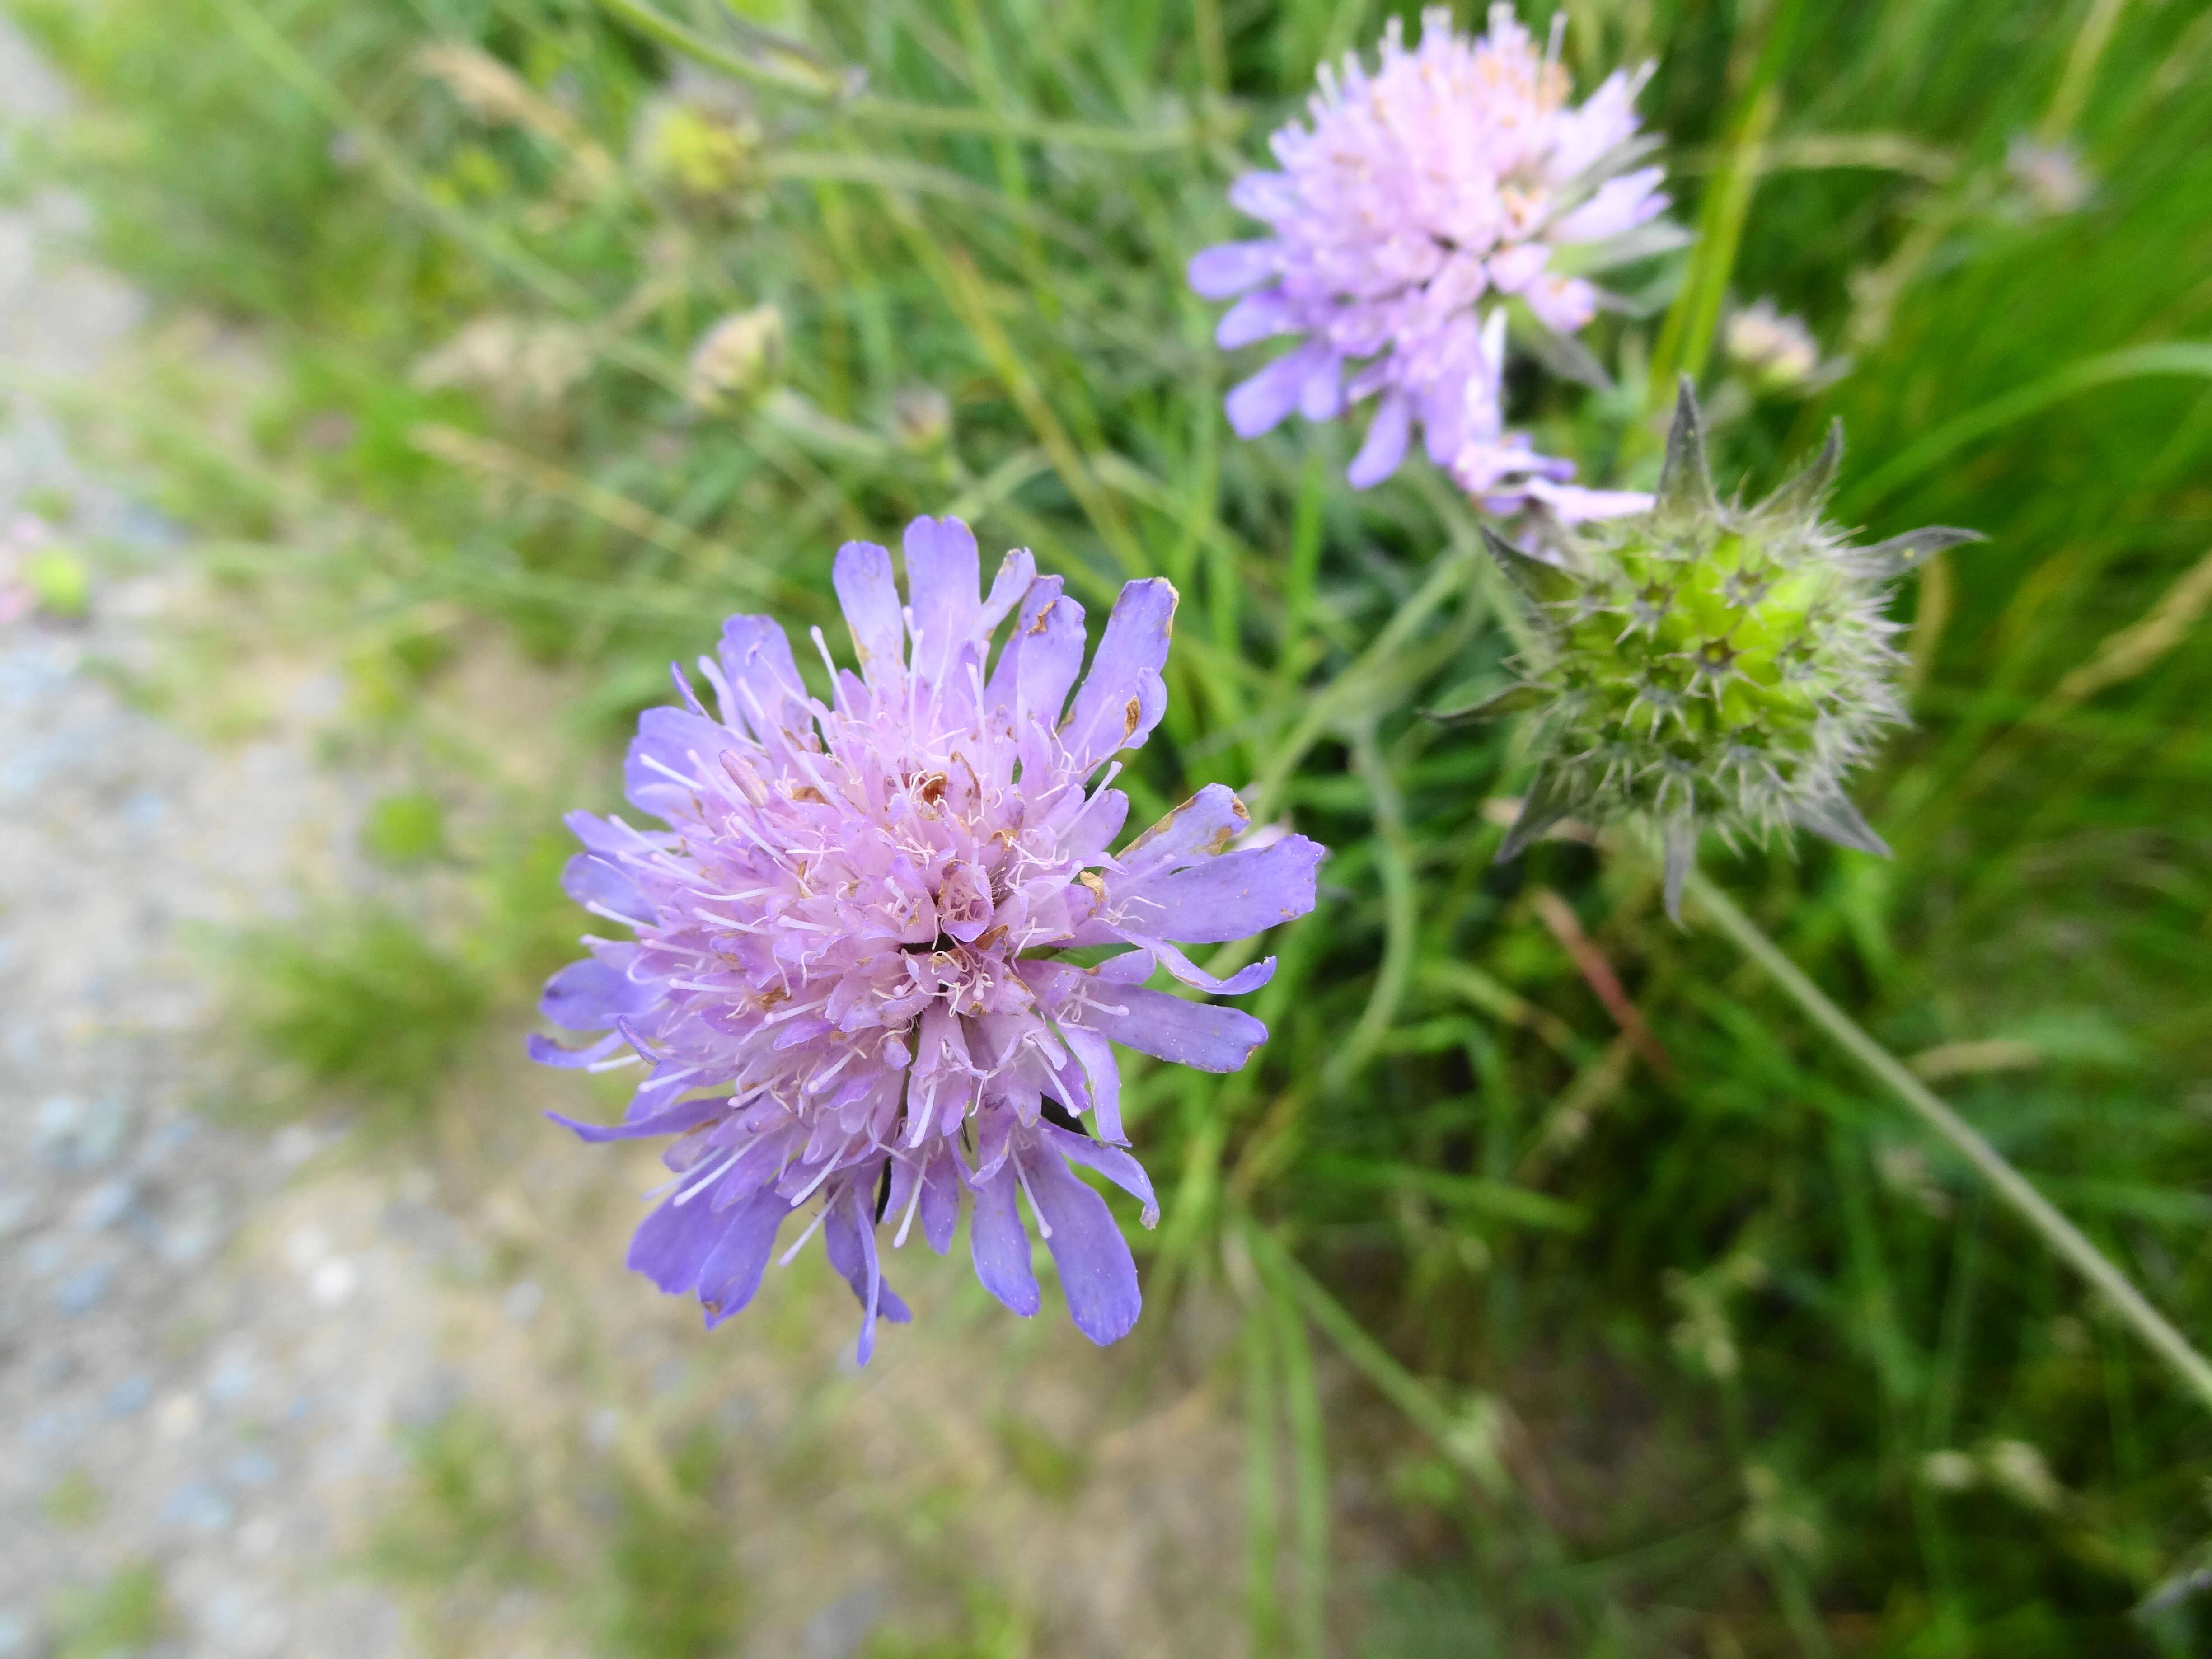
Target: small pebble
200,1506
104,1205
81,1292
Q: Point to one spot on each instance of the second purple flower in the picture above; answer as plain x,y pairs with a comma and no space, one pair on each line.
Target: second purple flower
844,979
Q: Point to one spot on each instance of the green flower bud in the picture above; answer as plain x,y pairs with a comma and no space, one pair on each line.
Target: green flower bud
1707,666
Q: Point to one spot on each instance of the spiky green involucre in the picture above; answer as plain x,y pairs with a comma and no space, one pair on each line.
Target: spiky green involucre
1702,667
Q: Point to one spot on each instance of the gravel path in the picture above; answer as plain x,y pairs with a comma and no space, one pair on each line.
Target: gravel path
168,1400
211,1341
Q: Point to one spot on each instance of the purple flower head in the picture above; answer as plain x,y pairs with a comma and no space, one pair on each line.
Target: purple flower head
1457,170
845,984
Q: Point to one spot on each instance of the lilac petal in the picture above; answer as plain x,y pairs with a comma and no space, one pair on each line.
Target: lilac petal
1042,659
731,1276
1220,272
1264,194
668,1121
1257,316
546,1052
1230,897
1201,827
1617,205
1000,1246
1098,1274
589,996
670,737
1259,404
849,1237
862,577
944,579
1204,1035
1563,305
755,657
1123,697
1321,395
940,1198
1385,444
1103,1074
1017,575
1117,1165
1250,977
594,882
673,1242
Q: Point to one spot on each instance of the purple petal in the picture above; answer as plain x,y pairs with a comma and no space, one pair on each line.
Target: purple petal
1263,194
1204,1035
1117,1165
1563,305
1250,977
673,1242
1617,205
944,581
1259,403
670,737
1230,897
1042,658
546,1052
1217,273
1017,575
755,659
862,577
1000,1246
591,881
1102,1072
1123,697
940,1198
730,1275
848,1235
668,1121
1257,316
1322,394
589,996
1385,444
1201,827
1098,1274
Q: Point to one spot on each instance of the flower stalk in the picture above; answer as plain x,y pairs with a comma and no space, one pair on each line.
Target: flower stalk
2062,1235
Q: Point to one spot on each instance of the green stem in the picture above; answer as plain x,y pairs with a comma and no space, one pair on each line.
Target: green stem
2062,1235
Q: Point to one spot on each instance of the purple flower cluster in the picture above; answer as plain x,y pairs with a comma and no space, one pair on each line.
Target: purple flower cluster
846,983
1456,170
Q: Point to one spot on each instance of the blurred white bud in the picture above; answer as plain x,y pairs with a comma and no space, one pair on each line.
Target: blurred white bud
922,417
1950,1471
2017,1469
1774,352
737,358
2051,178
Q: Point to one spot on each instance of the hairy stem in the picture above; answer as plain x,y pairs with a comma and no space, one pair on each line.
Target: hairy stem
2062,1235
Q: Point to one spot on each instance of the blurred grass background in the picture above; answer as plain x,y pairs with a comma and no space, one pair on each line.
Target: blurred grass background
1679,1343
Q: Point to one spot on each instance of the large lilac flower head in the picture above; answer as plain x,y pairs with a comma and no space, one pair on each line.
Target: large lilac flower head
847,982
1456,171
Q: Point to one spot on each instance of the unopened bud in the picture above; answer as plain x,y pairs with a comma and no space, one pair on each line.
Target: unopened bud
1775,353
1708,666
696,151
737,358
921,416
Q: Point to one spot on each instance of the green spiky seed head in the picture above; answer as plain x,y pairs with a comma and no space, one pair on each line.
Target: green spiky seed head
1707,666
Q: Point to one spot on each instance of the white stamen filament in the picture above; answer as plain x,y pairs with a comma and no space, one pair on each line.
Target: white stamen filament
799,1243
913,1204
